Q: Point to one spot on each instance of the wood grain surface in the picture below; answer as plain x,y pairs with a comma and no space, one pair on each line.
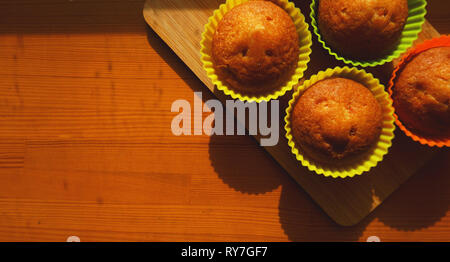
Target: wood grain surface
86,149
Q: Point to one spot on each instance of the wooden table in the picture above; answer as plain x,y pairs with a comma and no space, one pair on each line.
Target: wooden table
86,147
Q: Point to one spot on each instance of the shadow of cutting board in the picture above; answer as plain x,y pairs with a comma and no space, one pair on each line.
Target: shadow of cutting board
347,201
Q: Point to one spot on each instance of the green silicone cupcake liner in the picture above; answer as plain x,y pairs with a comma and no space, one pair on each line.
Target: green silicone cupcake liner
416,18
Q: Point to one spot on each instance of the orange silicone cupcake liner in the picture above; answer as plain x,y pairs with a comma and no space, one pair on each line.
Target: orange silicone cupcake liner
435,42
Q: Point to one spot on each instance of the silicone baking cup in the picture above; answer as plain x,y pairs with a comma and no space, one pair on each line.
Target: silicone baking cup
413,26
304,57
375,153
435,42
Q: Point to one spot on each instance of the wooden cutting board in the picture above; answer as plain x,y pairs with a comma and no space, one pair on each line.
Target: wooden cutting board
347,201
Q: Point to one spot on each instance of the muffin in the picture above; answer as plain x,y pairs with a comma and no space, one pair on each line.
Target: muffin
255,48
421,93
362,29
335,119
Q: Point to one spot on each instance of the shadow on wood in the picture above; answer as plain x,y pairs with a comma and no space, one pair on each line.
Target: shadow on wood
423,201
67,17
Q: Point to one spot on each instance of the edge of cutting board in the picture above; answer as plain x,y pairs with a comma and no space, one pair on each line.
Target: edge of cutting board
190,25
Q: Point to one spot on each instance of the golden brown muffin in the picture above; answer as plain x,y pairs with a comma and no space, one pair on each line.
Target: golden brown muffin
422,93
336,118
362,29
255,48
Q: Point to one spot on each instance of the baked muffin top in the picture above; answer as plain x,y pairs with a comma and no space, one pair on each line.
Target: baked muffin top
255,47
336,118
422,93
362,29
